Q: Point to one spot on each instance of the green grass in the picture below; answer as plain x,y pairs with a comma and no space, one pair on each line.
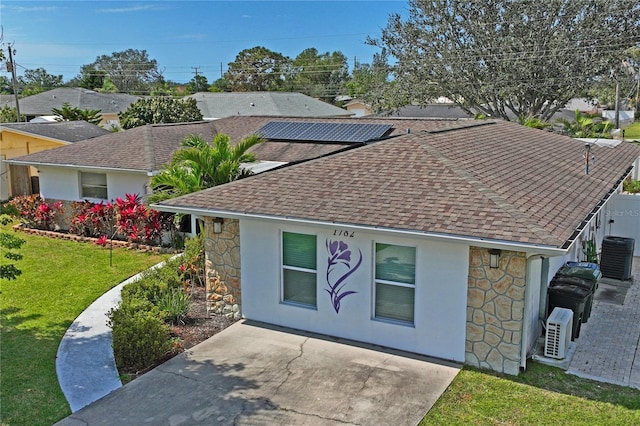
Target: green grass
59,280
542,395
633,131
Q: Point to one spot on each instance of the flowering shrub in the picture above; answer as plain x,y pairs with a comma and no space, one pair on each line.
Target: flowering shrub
126,219
36,213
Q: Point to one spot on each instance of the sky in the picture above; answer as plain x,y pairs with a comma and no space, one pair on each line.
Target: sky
61,36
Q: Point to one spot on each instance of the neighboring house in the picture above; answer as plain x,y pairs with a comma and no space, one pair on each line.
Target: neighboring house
19,139
109,104
358,108
440,242
435,110
112,165
282,104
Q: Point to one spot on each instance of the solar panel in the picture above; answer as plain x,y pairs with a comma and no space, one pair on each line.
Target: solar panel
323,132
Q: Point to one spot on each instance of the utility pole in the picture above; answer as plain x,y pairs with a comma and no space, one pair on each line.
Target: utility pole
12,67
196,77
617,112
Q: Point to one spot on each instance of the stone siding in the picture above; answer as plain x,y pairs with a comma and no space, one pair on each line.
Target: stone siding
495,311
222,258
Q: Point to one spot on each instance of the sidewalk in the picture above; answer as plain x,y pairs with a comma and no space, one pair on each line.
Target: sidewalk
85,364
608,347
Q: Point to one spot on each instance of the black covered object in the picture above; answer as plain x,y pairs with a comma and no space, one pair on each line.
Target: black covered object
617,257
571,296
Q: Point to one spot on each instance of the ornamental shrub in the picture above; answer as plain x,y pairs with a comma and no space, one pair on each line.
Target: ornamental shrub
140,336
174,305
36,213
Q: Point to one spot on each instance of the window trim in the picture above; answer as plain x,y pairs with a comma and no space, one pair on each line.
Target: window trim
376,281
84,185
284,267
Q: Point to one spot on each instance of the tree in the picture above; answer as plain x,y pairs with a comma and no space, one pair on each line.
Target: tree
198,165
38,81
159,110
69,113
587,126
320,75
257,69
130,70
9,243
507,58
10,115
369,82
197,84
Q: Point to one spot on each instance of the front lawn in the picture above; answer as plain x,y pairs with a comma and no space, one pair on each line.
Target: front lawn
633,131
542,395
59,280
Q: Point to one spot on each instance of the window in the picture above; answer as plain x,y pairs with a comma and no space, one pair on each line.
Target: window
299,269
395,282
93,185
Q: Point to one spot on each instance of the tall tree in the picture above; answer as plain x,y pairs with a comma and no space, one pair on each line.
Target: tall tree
131,71
257,69
159,110
38,80
369,82
507,58
198,83
320,75
199,165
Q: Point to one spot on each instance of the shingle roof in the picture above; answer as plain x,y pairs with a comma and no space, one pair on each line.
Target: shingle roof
495,180
43,103
219,105
147,148
68,131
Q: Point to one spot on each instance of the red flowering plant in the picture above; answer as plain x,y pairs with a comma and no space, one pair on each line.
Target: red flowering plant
126,219
36,213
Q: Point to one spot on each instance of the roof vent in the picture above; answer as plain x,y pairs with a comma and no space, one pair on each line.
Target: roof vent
408,131
252,104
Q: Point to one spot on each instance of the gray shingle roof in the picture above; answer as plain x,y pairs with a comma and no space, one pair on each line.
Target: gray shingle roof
43,103
67,131
219,105
492,180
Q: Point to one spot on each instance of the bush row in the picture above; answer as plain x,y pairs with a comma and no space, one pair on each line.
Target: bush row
141,322
126,219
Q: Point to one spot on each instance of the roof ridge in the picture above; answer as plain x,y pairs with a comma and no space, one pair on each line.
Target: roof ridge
489,193
149,151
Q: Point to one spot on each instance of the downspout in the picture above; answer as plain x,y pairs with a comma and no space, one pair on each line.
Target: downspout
527,309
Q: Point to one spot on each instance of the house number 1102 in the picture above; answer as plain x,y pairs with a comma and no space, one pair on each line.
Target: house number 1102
343,233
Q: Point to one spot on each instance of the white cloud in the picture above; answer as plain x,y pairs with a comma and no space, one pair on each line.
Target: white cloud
134,8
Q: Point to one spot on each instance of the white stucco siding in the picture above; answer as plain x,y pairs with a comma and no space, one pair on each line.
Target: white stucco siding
59,183
440,292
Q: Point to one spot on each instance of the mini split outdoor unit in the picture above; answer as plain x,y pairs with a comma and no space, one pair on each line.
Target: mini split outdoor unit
558,337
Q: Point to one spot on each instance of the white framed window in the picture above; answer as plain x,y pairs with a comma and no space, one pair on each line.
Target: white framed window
93,185
299,272
395,283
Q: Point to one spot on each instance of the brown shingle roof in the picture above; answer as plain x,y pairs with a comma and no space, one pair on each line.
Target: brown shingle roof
493,180
147,148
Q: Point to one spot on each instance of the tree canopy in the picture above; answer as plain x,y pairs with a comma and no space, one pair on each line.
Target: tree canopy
131,71
506,58
256,70
159,110
320,75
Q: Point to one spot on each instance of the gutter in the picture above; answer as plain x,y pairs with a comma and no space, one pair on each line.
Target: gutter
550,251
78,167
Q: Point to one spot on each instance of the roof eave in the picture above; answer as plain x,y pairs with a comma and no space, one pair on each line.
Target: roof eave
545,250
80,167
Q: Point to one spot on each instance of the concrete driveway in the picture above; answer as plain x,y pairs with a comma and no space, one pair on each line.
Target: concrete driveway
256,374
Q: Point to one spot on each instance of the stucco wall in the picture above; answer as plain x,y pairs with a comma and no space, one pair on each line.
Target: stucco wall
440,294
64,183
496,311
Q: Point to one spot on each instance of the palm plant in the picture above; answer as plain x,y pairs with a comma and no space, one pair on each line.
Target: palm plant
586,126
199,165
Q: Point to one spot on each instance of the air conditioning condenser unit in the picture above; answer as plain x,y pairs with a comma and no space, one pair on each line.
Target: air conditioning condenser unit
558,337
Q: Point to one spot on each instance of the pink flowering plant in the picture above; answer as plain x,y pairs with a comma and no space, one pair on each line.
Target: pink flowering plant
126,219
36,213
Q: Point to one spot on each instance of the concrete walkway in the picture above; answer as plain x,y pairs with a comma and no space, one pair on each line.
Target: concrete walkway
608,347
85,364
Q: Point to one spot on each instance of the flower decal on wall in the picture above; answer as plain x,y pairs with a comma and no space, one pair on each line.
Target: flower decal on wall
339,268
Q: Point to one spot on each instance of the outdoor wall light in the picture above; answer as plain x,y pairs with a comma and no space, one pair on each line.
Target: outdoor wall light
494,257
217,225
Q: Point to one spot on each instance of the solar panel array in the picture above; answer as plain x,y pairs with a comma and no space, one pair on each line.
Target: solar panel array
323,132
